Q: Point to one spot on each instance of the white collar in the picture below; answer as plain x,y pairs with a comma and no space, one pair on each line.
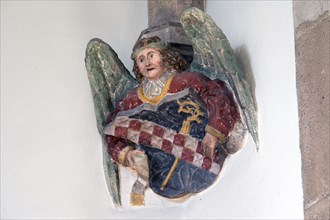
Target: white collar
153,88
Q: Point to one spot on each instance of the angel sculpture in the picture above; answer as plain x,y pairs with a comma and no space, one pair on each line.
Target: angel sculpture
174,124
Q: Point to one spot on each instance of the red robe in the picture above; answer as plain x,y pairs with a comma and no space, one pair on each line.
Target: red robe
221,107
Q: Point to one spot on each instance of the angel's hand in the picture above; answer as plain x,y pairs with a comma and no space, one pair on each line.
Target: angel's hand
130,157
208,144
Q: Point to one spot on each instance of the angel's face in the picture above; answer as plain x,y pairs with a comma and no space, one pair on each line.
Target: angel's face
150,63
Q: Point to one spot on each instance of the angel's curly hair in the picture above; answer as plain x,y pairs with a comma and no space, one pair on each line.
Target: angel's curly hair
173,61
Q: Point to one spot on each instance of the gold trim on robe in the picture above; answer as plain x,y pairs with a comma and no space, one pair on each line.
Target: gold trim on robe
155,100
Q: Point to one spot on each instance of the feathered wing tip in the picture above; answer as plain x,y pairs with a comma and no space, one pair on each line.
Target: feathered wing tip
109,81
111,176
214,57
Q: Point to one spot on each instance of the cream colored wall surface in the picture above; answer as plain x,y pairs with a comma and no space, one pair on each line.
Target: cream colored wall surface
268,184
51,156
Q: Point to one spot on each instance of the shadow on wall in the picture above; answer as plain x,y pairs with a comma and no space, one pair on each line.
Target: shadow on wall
244,60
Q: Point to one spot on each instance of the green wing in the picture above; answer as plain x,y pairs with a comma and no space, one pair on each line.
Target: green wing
109,81
214,57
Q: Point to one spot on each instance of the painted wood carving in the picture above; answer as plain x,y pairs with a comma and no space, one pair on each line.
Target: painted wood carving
173,124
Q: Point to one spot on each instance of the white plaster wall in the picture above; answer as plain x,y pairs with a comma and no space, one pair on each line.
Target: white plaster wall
51,158
267,184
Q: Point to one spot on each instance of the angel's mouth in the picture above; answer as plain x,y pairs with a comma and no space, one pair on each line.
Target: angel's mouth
150,69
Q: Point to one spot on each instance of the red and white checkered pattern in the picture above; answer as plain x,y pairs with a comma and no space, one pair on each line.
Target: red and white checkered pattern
150,134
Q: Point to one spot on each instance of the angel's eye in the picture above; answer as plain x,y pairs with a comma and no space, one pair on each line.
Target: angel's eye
141,60
151,56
